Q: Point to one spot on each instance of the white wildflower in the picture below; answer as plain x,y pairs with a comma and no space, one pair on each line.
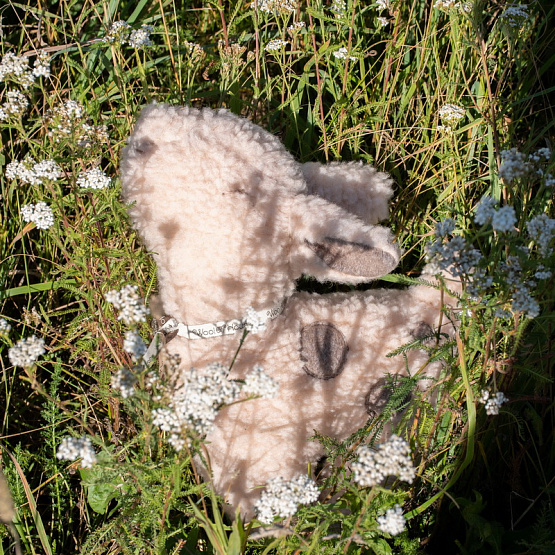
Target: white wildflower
391,458
514,164
26,351
542,154
383,4
41,66
140,37
454,253
383,21
32,172
453,5
444,227
393,522
72,448
94,178
134,345
281,498
549,180
196,51
503,313
195,405
541,230
515,16
129,303
70,121
257,382
5,327
275,44
542,273
504,219
254,321
17,69
296,26
492,403
523,301
450,115
46,170
275,6
40,214
339,8
485,210
479,282
342,54
118,32
15,105
124,381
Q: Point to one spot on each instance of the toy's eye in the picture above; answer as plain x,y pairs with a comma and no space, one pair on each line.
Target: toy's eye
143,146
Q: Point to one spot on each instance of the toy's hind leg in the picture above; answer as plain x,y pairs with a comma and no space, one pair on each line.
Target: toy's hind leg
356,187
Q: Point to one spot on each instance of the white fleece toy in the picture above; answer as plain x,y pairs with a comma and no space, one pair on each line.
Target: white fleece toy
232,221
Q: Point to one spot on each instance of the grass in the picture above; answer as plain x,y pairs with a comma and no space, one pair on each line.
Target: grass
485,483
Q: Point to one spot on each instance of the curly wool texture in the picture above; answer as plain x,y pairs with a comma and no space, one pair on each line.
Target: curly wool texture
232,221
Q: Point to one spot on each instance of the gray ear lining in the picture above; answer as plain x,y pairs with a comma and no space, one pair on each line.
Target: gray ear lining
355,259
323,350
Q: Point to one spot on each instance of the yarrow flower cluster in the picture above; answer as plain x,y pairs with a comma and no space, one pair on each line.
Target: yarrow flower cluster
134,345
140,37
254,322
339,8
121,32
282,498
16,68
40,214
274,6
516,165
72,448
342,54
124,381
453,5
450,115
129,303
501,219
32,172
69,120
5,327
393,522
257,382
492,403
26,351
118,32
194,406
452,253
275,44
515,16
523,301
94,178
195,50
295,27
383,4
541,230
41,66
391,458
16,105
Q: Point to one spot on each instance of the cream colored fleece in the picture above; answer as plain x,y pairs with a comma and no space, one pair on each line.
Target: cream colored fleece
232,220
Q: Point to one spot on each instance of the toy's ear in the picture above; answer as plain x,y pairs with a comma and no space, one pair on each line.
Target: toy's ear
357,187
332,244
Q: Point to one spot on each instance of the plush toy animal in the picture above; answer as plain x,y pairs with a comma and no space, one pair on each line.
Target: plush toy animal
232,221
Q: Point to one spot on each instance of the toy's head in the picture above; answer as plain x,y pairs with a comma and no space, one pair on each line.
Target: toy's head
224,209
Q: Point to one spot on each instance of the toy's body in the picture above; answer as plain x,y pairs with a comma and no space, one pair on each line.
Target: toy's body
232,222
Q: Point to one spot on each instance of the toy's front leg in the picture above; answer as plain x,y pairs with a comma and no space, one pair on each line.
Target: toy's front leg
358,188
